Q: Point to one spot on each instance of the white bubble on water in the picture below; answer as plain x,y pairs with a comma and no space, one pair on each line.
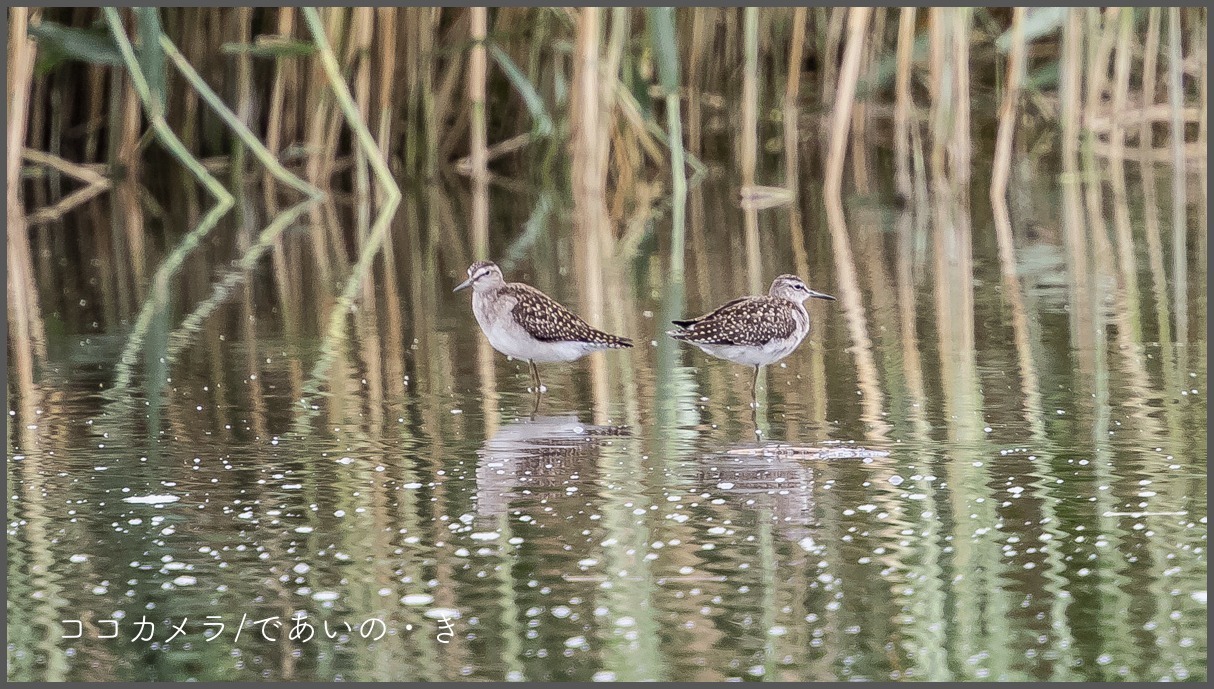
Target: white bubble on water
575,642
151,499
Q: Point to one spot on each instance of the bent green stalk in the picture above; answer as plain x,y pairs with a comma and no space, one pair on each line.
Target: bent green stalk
262,153
156,114
341,91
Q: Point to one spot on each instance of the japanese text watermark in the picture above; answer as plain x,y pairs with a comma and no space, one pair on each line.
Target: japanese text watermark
298,628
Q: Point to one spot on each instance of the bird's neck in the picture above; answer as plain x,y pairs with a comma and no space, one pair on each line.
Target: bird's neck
802,317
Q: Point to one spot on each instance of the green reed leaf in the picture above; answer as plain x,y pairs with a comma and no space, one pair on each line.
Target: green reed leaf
520,82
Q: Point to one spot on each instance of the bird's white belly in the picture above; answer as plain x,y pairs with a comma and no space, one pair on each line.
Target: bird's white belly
509,338
752,356
512,341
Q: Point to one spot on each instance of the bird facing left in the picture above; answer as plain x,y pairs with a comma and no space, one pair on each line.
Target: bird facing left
524,323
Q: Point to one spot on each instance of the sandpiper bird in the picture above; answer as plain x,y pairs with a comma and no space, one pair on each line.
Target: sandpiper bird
524,323
755,331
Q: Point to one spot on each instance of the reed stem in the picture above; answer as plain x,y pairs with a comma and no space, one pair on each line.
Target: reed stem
903,101
959,153
478,68
792,90
1150,54
28,336
329,63
1121,84
845,94
1070,68
260,151
152,108
661,28
750,96
1007,111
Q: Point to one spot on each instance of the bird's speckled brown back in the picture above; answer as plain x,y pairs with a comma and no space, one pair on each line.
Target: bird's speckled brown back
546,320
744,321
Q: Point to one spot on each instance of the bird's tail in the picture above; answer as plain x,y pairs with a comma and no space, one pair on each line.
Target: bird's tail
614,341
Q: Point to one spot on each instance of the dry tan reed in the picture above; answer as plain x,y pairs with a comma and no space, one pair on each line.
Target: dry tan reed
478,67
28,338
841,118
1007,111
902,100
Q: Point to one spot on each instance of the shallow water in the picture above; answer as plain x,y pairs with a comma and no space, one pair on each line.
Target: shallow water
959,479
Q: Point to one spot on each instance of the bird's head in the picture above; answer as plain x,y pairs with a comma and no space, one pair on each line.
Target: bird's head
793,288
482,275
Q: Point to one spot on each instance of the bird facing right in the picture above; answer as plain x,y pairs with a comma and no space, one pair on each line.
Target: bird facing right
755,331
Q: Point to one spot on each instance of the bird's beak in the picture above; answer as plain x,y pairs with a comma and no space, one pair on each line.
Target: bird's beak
820,295
463,285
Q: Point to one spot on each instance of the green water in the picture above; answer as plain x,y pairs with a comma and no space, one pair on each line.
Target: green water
955,477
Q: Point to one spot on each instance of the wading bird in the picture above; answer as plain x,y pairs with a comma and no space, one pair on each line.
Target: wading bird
524,323
755,331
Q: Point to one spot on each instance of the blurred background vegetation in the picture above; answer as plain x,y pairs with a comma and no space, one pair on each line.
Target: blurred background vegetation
526,91
623,108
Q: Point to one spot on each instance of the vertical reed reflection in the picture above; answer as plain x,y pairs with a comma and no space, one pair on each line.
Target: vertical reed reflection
27,343
35,576
1074,232
1127,298
1110,570
972,505
927,599
1046,479
872,398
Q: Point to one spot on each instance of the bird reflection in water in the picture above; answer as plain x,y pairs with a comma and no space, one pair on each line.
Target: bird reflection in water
535,455
773,478
764,484
540,456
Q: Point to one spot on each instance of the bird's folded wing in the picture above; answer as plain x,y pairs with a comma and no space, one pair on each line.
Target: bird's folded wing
548,321
746,321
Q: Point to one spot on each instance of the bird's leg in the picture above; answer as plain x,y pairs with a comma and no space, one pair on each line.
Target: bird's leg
535,386
535,377
754,388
